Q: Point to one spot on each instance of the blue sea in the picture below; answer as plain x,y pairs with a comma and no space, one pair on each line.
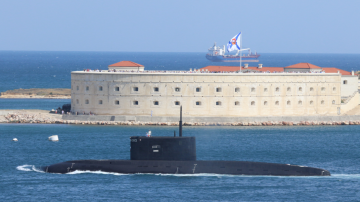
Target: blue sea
335,148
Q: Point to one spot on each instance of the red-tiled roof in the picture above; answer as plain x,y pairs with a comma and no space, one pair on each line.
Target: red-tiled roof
304,66
126,64
335,70
237,68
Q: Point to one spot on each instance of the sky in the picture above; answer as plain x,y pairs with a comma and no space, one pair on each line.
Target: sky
267,26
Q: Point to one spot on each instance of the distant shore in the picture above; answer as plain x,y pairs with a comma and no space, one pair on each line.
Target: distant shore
38,93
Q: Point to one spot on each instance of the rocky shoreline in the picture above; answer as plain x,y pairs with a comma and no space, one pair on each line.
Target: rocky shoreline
38,93
38,119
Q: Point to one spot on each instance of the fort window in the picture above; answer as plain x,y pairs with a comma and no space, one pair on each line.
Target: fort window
177,89
218,103
87,88
117,88
237,90
300,102
100,102
252,103
100,88
198,89
288,89
77,101
198,103
265,90
277,103
86,101
237,103
334,89
77,87
177,103
345,82
135,102
322,102
156,89
322,89
117,102
265,103
311,89
156,102
136,89
252,89
288,103
277,89
311,102
218,90
333,102
300,89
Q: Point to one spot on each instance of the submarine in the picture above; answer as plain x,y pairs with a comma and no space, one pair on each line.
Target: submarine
177,155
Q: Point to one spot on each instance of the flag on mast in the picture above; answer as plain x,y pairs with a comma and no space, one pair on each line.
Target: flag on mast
234,43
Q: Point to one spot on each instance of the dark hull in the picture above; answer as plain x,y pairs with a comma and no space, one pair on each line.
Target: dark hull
186,167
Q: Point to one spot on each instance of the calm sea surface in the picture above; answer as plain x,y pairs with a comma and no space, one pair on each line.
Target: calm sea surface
335,148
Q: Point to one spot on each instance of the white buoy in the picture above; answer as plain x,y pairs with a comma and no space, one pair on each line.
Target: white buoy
15,139
54,138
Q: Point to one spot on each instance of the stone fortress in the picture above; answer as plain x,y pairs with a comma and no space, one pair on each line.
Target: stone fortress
127,89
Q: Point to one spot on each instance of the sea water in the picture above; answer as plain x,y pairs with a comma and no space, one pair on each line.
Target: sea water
335,148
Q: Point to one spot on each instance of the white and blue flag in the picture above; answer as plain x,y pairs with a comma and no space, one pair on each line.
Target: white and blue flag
234,43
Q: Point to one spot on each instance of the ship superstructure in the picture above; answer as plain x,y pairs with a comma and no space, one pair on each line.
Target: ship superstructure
218,54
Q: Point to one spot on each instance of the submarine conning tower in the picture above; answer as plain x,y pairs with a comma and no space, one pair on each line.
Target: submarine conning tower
164,148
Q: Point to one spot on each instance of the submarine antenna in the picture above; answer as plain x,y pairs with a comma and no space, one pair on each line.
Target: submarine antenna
180,122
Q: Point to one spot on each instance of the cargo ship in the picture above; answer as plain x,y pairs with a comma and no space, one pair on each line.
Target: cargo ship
217,54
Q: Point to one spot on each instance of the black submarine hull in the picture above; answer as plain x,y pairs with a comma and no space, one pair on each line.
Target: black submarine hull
185,167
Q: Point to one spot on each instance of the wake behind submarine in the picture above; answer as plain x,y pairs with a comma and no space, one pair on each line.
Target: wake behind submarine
177,155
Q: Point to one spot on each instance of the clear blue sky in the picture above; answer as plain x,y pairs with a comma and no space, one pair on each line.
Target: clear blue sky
268,26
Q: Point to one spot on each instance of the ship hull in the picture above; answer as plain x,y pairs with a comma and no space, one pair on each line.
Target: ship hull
220,58
185,167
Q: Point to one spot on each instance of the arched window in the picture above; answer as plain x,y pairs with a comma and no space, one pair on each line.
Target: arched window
218,90
218,103
156,102
100,102
252,89
135,102
237,90
333,102
237,103
77,87
177,103
198,103
300,102
334,89
156,89
277,103
77,101
86,101
177,89
100,88
323,89
288,103
117,88
252,103
117,102
277,89
87,88
265,103
311,89
300,89
135,89
345,82
322,102
198,89
265,90
288,89
311,102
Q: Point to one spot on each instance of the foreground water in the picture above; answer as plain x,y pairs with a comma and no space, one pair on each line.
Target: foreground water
334,148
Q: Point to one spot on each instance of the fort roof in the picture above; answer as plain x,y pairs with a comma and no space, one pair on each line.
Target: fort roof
335,70
304,65
126,64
